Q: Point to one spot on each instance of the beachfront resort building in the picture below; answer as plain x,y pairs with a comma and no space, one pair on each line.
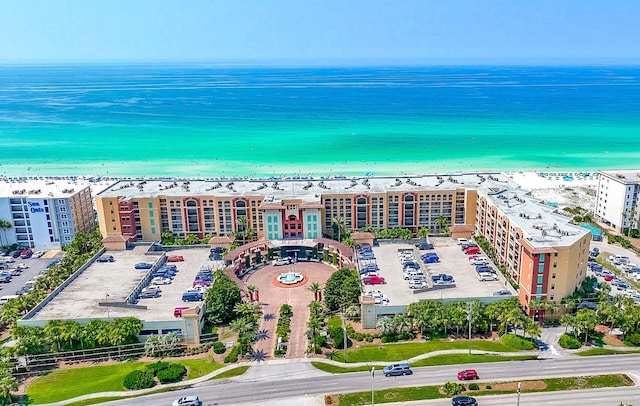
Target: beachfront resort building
617,199
45,213
543,253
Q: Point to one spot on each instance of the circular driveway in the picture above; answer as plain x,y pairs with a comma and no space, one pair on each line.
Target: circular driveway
298,297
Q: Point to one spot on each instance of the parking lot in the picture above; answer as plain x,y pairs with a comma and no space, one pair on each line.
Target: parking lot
453,262
35,265
112,282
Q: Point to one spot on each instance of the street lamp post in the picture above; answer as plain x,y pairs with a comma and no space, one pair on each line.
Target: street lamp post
344,330
519,386
373,381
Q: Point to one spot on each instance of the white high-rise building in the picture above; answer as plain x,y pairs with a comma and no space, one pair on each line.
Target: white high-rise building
617,198
45,213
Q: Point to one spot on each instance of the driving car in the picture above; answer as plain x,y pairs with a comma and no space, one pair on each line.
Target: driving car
464,401
281,261
373,280
397,370
467,374
192,400
175,258
143,265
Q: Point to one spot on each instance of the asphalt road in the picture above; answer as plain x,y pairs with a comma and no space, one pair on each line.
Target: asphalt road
285,384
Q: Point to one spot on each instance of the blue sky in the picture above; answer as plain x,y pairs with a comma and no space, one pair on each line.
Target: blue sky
421,31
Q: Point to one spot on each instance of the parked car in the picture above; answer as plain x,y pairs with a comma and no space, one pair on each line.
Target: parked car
23,290
595,251
25,254
177,312
149,295
16,254
373,280
201,282
22,265
205,276
487,276
397,370
15,272
424,246
38,254
192,400
472,250
158,280
281,261
175,258
468,374
502,293
442,276
143,265
152,289
106,258
192,296
461,241
464,401
417,284
5,277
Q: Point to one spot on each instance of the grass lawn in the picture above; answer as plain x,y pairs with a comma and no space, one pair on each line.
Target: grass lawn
603,351
403,351
433,392
232,372
444,359
68,383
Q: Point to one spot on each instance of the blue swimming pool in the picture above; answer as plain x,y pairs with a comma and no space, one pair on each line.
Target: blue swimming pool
594,230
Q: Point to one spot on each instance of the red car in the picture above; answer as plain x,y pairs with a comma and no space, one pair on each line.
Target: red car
468,374
175,258
472,250
201,282
373,280
177,312
608,278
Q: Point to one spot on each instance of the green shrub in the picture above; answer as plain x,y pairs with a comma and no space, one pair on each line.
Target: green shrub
632,340
357,336
569,341
173,373
157,366
453,388
488,386
139,379
321,341
517,342
474,386
280,353
338,336
370,338
219,348
233,355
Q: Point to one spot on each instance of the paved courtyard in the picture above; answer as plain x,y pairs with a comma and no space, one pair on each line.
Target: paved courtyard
299,297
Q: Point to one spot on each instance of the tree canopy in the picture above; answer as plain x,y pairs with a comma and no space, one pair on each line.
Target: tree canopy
221,299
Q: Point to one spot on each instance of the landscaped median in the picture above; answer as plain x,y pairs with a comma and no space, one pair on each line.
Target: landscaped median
63,384
484,389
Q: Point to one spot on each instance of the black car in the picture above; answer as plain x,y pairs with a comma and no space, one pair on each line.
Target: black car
5,253
16,254
464,401
424,246
106,258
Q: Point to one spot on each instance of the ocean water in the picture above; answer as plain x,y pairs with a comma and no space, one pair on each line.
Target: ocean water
213,121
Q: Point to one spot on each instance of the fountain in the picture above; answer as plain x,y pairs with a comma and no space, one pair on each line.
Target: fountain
290,278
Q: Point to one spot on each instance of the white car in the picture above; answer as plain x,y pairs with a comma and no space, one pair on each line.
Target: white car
486,276
461,241
197,288
38,254
158,280
187,401
281,261
8,259
417,284
378,296
151,289
22,265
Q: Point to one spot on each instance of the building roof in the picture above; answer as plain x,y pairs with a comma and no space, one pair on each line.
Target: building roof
114,238
626,176
306,190
43,187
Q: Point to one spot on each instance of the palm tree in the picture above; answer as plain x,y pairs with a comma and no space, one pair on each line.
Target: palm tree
402,323
251,289
385,325
423,232
339,226
532,328
316,288
4,226
442,222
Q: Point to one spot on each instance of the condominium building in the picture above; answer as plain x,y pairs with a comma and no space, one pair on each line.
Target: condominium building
45,213
543,252
617,199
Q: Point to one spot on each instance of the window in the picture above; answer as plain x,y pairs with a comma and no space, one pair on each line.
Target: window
540,279
540,268
553,287
555,264
539,290
151,205
553,275
555,254
541,257
150,213
153,230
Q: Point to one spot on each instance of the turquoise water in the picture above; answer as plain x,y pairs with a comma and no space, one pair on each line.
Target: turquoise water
594,230
208,121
